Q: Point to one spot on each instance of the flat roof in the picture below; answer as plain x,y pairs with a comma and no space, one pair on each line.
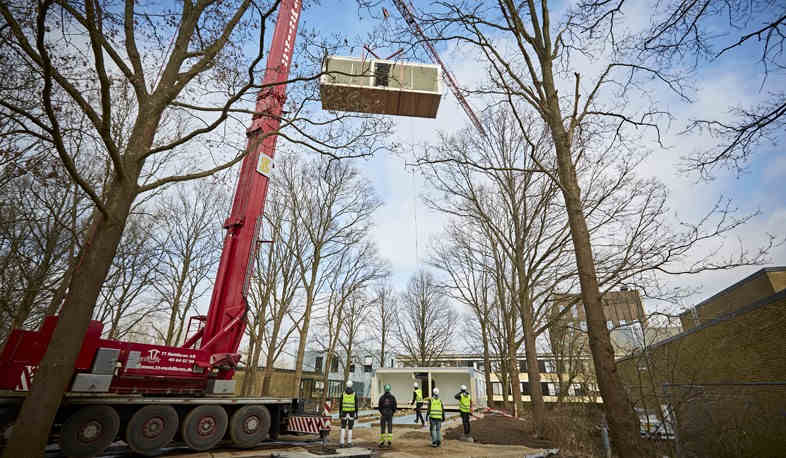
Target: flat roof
737,285
403,370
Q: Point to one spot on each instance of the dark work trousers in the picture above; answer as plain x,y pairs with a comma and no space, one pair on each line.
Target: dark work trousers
419,416
386,420
465,421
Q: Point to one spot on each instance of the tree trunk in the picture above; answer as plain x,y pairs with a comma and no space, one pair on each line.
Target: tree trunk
326,376
51,380
623,424
515,380
303,332
486,365
533,376
505,391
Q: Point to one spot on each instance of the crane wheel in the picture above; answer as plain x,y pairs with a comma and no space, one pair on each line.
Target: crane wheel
249,426
204,426
89,431
151,428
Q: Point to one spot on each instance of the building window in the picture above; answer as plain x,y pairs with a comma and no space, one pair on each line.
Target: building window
525,388
550,366
578,390
334,364
542,366
318,364
544,387
367,368
496,388
352,368
522,365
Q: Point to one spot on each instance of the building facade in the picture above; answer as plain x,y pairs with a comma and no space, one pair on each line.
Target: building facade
360,372
721,382
578,388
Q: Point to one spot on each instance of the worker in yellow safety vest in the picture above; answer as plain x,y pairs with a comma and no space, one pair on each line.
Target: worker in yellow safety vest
417,399
348,412
436,415
465,407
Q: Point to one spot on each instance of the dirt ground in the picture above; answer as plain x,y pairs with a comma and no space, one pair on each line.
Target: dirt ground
407,443
500,431
412,442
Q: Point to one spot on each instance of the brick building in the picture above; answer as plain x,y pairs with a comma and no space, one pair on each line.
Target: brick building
763,283
722,382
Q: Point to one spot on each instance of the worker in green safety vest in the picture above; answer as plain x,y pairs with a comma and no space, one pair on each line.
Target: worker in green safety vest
465,407
436,415
417,399
348,412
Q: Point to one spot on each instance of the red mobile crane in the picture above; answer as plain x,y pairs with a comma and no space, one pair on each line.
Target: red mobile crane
145,394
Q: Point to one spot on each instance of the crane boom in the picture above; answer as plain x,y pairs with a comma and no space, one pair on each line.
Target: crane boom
225,321
405,8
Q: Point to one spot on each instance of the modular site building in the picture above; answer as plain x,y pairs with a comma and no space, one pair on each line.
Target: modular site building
380,87
447,379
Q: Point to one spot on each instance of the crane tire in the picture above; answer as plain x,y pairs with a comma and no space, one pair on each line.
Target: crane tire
151,428
204,426
89,431
249,425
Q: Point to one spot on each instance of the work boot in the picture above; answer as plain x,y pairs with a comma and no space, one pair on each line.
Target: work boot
434,444
349,445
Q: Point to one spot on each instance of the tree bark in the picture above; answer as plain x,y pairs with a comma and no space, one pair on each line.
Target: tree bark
623,424
54,373
486,363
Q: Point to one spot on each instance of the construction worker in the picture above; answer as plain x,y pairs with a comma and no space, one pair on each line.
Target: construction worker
436,415
348,412
465,407
417,399
387,407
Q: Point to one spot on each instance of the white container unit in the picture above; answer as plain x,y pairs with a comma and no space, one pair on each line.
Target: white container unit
447,379
380,87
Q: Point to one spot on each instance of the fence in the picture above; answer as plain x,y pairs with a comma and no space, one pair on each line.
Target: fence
728,419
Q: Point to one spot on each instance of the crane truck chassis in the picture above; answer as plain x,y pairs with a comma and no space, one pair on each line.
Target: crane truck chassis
149,395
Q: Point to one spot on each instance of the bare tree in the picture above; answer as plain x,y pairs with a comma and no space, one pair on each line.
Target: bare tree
187,74
126,295
331,207
532,77
700,34
426,322
350,273
189,236
471,281
274,288
385,304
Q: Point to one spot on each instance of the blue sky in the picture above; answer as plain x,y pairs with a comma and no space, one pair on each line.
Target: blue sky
404,223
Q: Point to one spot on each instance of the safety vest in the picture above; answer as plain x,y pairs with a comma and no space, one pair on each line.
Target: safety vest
348,402
464,403
436,409
418,395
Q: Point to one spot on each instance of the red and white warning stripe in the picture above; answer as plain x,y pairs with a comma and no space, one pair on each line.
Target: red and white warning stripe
488,410
308,424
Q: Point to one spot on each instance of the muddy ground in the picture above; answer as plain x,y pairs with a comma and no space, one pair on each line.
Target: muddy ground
500,430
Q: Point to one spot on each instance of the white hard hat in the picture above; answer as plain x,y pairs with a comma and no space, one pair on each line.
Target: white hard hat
463,387
436,391
414,385
349,383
